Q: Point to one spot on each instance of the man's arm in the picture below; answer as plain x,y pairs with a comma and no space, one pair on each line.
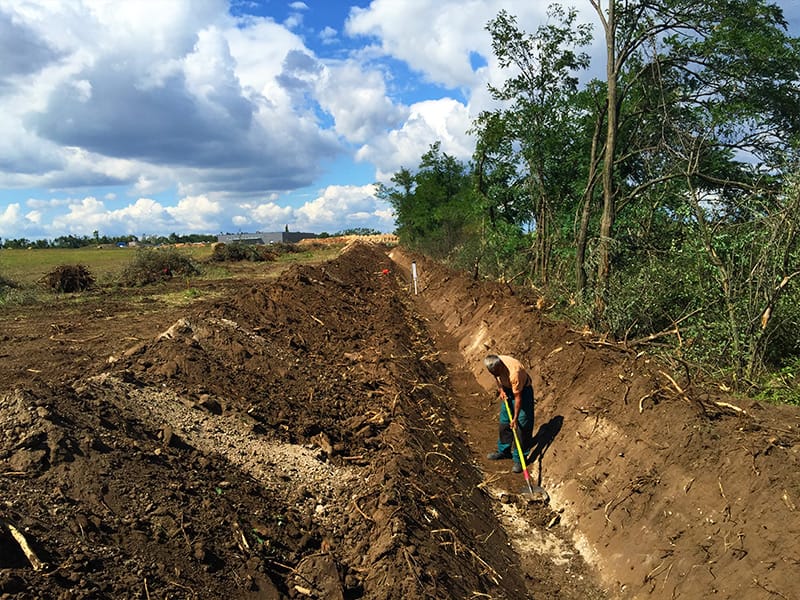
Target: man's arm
517,404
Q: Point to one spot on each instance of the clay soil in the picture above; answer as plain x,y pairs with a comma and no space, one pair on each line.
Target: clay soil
323,434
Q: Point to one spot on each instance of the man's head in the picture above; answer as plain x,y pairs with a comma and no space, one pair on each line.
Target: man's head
493,364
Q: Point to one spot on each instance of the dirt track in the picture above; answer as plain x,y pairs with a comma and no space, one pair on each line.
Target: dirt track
323,436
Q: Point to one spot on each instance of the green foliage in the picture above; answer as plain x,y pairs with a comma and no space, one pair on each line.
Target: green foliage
242,252
96,239
535,144
7,288
432,207
670,218
152,265
654,293
782,386
357,231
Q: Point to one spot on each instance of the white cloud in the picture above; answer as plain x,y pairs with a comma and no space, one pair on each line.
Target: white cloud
198,213
357,100
10,219
144,216
444,120
344,207
335,208
269,216
34,217
437,37
160,97
328,35
434,38
179,95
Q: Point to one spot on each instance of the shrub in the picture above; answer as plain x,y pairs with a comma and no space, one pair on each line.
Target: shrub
151,265
284,248
6,285
69,278
240,252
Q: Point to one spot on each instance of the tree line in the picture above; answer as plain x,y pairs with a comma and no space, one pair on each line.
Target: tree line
659,202
96,239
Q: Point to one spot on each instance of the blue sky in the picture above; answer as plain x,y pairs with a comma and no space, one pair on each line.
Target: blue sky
205,116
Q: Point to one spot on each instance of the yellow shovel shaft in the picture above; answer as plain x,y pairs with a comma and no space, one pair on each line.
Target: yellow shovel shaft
514,431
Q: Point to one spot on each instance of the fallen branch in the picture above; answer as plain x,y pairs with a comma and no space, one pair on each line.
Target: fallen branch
651,337
675,385
361,512
606,344
732,407
37,564
76,341
642,399
427,454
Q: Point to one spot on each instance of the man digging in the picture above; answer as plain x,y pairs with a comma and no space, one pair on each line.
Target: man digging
513,384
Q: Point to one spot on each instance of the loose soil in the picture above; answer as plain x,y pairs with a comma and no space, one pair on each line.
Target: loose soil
323,435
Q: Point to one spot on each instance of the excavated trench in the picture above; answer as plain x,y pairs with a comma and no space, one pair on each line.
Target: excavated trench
324,435
667,486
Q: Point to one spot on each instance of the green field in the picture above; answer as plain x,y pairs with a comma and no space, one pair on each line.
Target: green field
27,267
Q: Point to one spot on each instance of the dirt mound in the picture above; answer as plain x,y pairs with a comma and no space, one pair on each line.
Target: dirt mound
289,440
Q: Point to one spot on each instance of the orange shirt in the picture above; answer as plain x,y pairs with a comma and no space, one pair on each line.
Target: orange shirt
517,375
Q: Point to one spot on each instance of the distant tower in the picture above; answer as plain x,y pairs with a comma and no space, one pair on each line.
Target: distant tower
286,229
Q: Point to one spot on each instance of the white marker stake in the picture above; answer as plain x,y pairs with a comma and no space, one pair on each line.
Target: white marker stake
414,275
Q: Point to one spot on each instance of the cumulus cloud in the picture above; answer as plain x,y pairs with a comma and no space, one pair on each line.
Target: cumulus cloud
358,101
227,110
23,52
328,35
181,88
439,38
434,38
355,205
335,208
444,120
198,213
10,219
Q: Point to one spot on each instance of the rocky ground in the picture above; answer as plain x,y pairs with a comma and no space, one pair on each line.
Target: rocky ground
323,434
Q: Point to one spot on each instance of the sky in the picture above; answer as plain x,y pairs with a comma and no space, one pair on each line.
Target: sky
151,117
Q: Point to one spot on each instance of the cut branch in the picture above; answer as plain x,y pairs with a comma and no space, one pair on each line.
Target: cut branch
37,564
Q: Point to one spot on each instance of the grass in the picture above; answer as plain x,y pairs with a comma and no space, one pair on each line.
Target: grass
27,267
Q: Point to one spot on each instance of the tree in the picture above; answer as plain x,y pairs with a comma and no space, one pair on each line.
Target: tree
431,206
541,122
401,199
733,67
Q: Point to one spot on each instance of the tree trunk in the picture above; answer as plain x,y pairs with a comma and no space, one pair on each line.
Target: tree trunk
609,211
582,236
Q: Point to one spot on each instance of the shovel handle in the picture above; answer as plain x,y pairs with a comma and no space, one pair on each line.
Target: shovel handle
519,446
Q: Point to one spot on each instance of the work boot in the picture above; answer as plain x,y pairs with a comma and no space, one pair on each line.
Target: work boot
517,468
498,455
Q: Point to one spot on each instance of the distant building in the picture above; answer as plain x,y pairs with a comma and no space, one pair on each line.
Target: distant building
286,237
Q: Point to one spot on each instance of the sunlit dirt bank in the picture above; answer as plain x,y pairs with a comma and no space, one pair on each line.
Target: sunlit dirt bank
669,488
323,435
